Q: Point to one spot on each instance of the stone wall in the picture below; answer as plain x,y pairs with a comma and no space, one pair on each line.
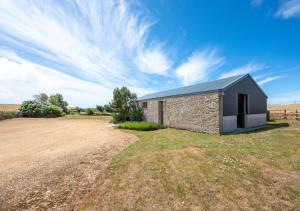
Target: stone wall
151,112
200,112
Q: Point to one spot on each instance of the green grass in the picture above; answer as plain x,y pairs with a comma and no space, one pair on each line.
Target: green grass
97,117
173,169
143,126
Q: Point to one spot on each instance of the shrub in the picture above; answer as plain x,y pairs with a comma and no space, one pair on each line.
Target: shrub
116,118
40,109
72,110
58,100
44,106
100,108
34,109
54,111
89,111
144,126
8,114
108,108
136,114
79,110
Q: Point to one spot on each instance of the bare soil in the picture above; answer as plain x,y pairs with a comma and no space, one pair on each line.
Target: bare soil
52,163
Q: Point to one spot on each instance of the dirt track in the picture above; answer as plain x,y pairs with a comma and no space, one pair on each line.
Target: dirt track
51,163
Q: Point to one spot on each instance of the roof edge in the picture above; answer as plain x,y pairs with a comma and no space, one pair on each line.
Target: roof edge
227,86
242,78
181,95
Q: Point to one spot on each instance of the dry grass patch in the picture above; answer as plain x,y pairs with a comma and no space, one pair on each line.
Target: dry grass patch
9,107
173,169
284,107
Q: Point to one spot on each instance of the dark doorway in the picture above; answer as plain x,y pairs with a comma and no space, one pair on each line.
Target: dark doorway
160,112
242,110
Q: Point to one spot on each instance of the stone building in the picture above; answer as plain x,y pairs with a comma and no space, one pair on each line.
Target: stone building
214,107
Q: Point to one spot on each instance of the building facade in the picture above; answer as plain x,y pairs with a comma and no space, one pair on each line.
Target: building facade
214,107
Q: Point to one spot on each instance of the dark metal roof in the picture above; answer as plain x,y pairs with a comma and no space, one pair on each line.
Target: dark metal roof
217,85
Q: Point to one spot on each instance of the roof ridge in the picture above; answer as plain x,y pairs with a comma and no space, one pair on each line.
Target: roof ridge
208,86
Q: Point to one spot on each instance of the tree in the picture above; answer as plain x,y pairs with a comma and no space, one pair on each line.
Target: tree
136,113
58,100
100,108
108,108
122,102
40,109
42,97
78,109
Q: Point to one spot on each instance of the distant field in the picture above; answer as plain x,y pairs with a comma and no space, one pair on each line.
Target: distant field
9,107
284,107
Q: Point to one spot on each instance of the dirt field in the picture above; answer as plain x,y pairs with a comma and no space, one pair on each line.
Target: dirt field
9,107
50,163
288,107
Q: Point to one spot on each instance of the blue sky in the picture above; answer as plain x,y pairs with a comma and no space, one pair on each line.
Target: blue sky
83,49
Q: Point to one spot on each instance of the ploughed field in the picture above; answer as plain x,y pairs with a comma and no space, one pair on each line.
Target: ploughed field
9,107
52,163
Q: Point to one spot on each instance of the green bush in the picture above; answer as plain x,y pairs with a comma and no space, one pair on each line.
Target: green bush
54,111
145,126
34,108
72,111
40,109
136,114
100,108
116,118
89,111
79,110
8,114
108,108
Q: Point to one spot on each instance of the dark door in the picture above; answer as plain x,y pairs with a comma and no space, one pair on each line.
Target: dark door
242,110
161,112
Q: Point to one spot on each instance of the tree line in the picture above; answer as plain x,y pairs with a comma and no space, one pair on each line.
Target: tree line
123,106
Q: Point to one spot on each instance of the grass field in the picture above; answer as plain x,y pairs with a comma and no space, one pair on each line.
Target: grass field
97,117
9,107
292,107
144,126
171,169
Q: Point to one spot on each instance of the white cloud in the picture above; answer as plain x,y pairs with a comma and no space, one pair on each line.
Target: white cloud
249,68
198,66
256,3
268,79
153,61
84,40
289,9
25,78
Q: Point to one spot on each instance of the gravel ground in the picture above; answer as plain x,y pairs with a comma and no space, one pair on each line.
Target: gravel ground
52,163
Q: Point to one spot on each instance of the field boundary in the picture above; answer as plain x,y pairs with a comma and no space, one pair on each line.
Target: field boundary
283,114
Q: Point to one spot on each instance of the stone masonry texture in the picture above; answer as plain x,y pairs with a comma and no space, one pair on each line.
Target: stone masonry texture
200,112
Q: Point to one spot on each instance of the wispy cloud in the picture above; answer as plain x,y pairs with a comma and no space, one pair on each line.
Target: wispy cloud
249,68
24,78
198,66
87,40
289,9
153,61
268,79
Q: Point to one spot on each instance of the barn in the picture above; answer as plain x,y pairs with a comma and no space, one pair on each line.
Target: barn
214,107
